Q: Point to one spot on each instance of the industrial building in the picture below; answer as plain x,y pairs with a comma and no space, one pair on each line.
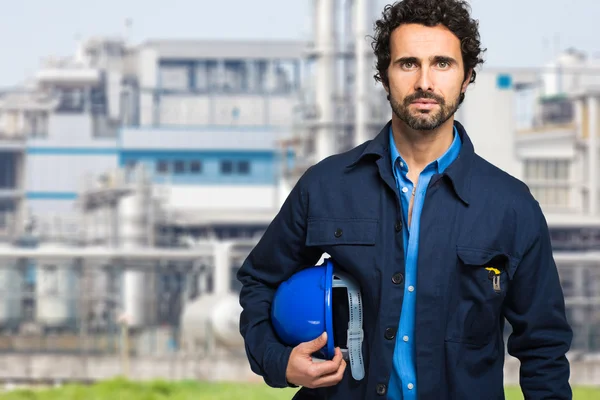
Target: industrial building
136,178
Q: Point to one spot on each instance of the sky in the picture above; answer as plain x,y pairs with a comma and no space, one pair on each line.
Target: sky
515,32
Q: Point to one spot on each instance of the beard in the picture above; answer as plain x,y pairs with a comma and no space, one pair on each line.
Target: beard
424,120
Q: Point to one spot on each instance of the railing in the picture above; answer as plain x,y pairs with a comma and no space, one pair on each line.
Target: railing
85,303
19,136
56,303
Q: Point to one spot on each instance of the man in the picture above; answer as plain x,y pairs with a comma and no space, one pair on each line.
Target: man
444,244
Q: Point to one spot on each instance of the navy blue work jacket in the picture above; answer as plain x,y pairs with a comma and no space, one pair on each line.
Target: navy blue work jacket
475,216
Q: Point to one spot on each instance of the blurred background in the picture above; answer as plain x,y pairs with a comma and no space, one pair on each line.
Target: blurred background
145,146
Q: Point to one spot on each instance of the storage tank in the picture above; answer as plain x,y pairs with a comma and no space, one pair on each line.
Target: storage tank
57,289
11,290
559,79
211,319
101,282
138,286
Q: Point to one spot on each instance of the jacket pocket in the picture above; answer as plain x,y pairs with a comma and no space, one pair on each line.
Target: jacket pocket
479,285
341,231
352,244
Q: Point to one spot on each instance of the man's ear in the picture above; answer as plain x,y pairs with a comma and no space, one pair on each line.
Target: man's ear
387,90
467,81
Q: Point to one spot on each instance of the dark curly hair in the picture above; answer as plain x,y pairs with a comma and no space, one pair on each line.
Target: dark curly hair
453,14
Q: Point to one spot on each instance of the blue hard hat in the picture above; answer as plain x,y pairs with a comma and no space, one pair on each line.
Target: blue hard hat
303,308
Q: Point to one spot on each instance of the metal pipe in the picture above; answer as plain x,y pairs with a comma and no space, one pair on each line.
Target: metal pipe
593,153
591,258
201,249
222,270
325,46
361,108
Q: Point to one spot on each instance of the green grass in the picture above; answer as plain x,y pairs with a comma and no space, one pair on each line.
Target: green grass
119,389
579,393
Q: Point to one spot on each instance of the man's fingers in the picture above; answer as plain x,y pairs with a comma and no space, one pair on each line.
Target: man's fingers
338,357
331,379
319,369
315,344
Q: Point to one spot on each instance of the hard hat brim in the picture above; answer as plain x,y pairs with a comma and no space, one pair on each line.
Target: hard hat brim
330,349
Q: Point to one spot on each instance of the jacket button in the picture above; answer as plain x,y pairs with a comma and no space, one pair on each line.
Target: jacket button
398,226
338,233
398,278
381,389
390,333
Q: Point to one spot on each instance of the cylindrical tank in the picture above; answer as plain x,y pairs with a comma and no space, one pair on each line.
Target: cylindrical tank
138,304
11,291
560,79
100,282
57,287
212,317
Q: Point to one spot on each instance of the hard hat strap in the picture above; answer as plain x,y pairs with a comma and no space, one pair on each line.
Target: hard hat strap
355,331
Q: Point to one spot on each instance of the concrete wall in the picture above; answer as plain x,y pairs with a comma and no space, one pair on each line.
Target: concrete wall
99,368
189,110
223,197
60,171
205,138
489,117
559,145
71,131
179,367
50,206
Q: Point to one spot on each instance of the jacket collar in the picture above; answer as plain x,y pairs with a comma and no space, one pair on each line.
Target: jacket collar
459,171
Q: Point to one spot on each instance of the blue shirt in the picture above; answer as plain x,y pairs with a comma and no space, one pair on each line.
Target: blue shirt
403,383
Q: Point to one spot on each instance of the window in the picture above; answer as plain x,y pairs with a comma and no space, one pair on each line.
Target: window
557,111
195,167
549,181
226,167
162,167
243,167
547,170
71,100
179,167
174,76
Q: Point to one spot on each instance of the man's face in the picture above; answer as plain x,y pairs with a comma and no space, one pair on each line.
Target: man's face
426,75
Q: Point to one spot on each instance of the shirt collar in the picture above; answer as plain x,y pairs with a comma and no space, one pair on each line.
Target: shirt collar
459,171
441,163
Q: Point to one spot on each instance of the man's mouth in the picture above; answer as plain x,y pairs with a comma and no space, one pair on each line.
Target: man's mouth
425,101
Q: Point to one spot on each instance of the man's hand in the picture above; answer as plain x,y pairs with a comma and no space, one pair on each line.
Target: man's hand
303,371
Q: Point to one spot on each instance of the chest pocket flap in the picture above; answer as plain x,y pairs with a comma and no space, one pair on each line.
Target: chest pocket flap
480,257
341,231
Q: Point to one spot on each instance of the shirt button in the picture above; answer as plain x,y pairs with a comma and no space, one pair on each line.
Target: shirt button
411,288
390,333
381,389
410,386
398,278
405,338
401,164
398,226
338,233
404,189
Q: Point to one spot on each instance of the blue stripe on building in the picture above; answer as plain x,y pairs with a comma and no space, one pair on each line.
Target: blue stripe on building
73,151
205,167
201,128
184,166
51,195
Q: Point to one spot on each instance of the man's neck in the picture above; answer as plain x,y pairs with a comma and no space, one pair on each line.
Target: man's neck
420,148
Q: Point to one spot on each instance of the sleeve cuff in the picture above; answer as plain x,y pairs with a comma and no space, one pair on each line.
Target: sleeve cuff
275,366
